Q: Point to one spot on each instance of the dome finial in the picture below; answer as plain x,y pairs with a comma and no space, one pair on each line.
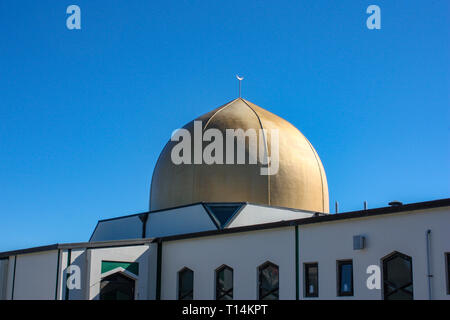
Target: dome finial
240,80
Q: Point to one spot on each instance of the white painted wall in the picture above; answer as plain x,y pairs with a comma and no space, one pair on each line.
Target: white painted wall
179,221
327,242
35,276
3,278
253,214
152,270
36,273
244,252
10,277
77,258
95,257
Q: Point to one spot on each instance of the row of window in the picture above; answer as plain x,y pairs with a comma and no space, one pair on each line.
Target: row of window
397,279
268,283
344,279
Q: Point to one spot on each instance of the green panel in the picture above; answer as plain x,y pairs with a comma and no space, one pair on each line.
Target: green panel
132,267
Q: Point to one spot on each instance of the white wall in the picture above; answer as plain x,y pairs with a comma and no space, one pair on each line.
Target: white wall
77,258
244,252
35,276
324,243
3,278
36,273
10,277
152,270
95,257
327,242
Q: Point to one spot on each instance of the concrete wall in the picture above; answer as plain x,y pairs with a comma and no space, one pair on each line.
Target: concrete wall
34,277
94,275
152,270
244,252
78,258
326,243
10,277
3,277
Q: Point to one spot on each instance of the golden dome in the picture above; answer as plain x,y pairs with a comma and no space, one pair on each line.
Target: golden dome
300,182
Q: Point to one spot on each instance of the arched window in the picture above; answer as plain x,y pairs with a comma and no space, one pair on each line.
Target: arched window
397,277
117,286
268,281
185,284
224,283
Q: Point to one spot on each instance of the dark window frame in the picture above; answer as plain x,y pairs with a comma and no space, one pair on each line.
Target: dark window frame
191,292
339,265
306,280
277,289
219,295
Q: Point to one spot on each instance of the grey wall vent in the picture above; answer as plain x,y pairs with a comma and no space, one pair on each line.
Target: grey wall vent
359,242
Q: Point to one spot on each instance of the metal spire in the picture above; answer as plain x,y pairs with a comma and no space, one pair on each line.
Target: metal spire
240,80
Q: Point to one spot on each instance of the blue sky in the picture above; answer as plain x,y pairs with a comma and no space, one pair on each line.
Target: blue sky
85,113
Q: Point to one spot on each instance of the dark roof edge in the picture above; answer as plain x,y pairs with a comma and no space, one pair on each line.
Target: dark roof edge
317,219
29,250
78,245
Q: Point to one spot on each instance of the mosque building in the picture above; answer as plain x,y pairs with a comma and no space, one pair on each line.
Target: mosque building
224,231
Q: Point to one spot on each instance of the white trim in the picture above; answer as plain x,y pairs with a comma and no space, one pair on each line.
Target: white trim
122,270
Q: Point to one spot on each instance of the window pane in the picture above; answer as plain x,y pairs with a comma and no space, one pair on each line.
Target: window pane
186,285
224,284
346,278
268,282
311,280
